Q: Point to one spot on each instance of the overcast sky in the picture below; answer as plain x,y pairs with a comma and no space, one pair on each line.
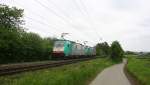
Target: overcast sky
127,21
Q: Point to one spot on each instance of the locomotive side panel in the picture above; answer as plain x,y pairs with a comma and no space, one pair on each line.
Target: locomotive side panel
67,48
73,53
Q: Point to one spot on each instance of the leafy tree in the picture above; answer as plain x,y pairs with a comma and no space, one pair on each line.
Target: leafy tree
103,49
10,17
116,51
17,45
9,32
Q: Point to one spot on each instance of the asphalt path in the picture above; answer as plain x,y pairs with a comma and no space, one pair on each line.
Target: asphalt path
113,75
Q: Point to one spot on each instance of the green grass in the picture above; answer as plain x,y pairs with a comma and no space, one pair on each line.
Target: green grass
73,74
140,68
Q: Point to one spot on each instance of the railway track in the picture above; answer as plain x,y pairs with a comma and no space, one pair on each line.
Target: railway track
13,69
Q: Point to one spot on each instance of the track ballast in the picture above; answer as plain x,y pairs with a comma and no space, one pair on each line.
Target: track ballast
13,69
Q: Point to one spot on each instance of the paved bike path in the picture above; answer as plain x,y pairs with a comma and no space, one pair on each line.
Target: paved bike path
113,75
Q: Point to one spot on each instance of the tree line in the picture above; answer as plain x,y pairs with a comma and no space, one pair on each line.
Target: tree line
17,45
114,52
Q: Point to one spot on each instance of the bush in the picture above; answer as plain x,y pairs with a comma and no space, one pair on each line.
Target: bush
116,51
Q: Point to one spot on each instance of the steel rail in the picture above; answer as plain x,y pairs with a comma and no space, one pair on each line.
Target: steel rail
9,70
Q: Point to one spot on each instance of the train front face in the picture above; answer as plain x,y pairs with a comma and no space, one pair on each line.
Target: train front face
58,49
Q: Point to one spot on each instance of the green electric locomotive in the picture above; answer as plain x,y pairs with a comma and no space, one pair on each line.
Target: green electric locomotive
69,49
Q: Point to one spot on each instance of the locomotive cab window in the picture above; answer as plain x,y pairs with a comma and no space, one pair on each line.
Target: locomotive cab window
59,44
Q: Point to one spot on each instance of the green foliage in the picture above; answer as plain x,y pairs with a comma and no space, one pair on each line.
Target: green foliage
130,53
73,74
16,45
116,51
31,46
103,49
140,68
10,17
9,42
47,47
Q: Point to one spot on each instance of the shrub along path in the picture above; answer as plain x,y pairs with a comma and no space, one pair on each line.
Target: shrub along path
113,75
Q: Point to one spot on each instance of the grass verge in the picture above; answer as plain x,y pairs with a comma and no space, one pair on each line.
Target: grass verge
140,69
73,74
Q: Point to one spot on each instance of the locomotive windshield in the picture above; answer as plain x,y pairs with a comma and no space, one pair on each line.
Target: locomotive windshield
59,44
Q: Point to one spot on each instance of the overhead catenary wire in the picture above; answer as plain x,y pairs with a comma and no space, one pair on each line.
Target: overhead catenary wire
58,8
45,24
48,25
61,17
84,13
28,27
51,11
51,2
67,16
41,22
90,20
81,11
38,21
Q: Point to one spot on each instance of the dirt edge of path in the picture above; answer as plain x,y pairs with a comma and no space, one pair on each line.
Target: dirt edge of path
133,80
